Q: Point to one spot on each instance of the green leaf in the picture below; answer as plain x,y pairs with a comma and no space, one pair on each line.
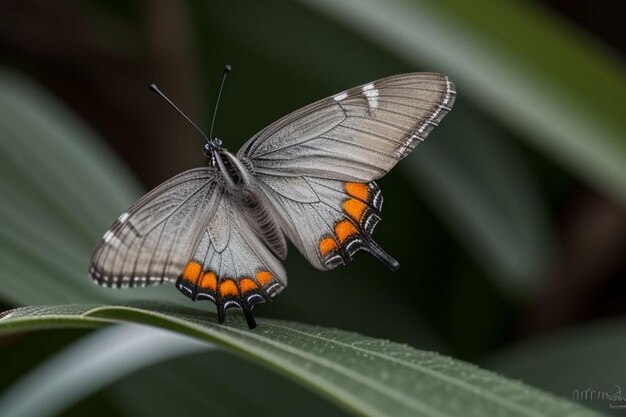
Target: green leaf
563,91
365,375
220,390
106,363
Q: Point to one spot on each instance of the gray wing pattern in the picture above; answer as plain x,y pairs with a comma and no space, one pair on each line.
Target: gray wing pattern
231,266
357,135
153,240
318,164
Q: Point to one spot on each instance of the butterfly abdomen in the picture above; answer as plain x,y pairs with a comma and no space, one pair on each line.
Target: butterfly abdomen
263,221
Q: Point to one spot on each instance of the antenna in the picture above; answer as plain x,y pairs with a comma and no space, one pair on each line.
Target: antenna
227,69
155,89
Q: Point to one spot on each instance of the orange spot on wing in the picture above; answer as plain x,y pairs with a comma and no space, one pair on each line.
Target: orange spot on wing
357,190
263,277
344,229
354,208
228,288
208,281
327,245
246,284
192,271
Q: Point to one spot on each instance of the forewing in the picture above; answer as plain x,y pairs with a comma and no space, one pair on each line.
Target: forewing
153,240
231,266
357,135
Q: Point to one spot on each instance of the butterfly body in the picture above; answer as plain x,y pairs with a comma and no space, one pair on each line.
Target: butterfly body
220,232
237,178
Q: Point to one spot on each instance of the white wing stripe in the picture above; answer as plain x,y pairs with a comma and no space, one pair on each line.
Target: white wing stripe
340,96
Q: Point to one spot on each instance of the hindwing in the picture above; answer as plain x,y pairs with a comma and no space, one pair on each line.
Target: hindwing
329,220
231,266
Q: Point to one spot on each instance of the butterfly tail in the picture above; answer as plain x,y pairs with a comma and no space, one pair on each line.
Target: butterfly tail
221,314
247,312
378,252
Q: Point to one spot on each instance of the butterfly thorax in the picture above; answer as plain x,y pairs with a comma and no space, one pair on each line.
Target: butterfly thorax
234,173
239,181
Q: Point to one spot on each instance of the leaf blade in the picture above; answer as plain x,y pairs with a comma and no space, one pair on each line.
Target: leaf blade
364,375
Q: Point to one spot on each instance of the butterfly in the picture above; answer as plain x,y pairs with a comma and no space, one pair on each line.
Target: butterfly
219,232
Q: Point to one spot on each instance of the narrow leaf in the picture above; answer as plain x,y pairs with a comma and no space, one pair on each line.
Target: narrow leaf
362,374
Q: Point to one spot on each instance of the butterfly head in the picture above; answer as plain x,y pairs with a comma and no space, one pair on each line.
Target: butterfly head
211,147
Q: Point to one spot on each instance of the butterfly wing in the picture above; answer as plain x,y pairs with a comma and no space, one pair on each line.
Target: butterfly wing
318,165
357,135
231,266
153,240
